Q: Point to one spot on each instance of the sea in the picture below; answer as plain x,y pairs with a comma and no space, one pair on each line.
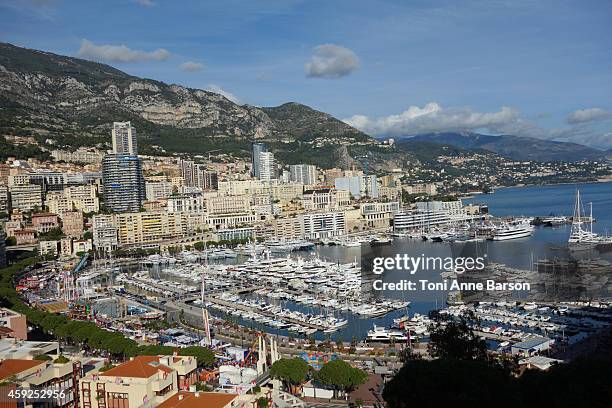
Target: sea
545,243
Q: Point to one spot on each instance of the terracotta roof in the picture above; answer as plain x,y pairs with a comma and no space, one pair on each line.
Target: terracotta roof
4,329
139,367
205,399
13,367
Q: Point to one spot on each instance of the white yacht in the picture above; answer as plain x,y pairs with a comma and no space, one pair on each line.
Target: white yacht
384,335
515,230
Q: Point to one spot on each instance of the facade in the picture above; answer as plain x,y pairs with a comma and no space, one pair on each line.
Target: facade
325,199
303,173
429,189
74,198
148,227
44,222
267,166
124,139
25,236
323,225
123,183
5,201
72,223
197,175
26,197
105,232
15,322
228,205
256,149
379,215
358,186
158,189
144,381
191,203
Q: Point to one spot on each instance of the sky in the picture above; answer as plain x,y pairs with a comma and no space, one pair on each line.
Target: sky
391,68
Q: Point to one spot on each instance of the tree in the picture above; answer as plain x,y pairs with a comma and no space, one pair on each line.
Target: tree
204,356
455,340
460,383
341,376
292,372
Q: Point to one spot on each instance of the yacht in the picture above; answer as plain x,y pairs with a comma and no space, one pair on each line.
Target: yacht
515,230
384,335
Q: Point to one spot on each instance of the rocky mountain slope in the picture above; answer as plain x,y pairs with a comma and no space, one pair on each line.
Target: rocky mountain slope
51,94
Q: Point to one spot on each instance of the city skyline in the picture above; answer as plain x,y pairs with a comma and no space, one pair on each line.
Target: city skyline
524,68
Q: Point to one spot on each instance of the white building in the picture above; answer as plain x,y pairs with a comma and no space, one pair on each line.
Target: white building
267,166
303,173
124,139
323,224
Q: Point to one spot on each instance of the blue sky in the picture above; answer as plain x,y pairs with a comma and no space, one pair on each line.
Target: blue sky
536,68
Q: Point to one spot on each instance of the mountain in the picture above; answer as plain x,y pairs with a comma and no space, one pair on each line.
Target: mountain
74,102
514,147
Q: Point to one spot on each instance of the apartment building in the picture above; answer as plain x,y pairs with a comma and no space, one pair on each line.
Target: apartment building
5,201
13,324
74,198
26,197
123,183
428,188
72,223
303,174
191,203
105,232
148,227
144,381
322,225
228,205
45,222
325,199
156,190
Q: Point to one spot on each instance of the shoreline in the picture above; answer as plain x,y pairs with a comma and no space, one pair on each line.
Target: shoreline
599,181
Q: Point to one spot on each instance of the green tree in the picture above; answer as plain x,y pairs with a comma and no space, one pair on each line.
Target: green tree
455,340
292,372
341,376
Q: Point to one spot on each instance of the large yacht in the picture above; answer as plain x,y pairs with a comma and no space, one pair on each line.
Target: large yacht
384,335
506,231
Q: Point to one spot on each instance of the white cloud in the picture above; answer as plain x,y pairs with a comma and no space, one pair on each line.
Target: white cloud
191,66
331,61
147,3
120,53
588,115
217,89
434,118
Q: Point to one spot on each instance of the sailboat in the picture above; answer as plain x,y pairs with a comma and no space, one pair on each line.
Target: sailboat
582,237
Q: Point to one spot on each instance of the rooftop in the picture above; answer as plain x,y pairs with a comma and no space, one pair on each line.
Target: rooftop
185,399
11,367
139,367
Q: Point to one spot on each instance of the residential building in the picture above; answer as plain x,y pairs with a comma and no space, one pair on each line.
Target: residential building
5,201
25,236
428,188
358,186
124,139
48,247
148,227
228,205
80,155
322,225
143,381
325,199
256,149
267,166
123,183
192,203
74,198
158,189
197,175
105,232
45,222
303,173
26,197
13,324
184,399
72,223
